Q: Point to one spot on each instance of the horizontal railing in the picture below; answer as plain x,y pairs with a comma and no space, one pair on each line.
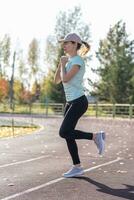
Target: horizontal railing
111,110
50,109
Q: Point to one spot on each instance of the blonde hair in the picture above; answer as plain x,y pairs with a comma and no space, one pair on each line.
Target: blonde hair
83,48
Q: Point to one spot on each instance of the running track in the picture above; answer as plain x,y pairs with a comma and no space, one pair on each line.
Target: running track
31,165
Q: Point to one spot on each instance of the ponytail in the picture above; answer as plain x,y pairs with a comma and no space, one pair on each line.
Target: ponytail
85,47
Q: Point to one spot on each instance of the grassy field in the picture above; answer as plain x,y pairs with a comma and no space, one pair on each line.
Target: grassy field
16,131
11,127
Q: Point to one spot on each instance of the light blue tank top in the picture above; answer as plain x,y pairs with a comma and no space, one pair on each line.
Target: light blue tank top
74,88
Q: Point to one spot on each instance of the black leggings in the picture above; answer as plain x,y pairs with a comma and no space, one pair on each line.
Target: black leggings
73,111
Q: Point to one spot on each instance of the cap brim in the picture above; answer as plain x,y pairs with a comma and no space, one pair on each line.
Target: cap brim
62,40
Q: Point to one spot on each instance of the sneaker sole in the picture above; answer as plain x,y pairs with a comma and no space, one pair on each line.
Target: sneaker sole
73,175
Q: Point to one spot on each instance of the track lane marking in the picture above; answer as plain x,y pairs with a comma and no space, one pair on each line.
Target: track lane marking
23,161
56,180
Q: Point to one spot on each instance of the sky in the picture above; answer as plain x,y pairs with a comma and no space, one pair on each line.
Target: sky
26,19
36,18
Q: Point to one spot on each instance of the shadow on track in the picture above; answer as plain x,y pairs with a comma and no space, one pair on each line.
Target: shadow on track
127,193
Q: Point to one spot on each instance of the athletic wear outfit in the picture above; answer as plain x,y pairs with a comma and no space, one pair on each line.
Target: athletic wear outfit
76,106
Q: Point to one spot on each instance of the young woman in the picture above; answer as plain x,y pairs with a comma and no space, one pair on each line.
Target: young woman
70,72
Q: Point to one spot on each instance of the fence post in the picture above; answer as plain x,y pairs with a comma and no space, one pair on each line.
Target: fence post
30,111
130,111
30,108
114,110
46,104
96,110
63,108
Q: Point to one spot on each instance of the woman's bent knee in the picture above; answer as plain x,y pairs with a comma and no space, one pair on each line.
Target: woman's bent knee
62,133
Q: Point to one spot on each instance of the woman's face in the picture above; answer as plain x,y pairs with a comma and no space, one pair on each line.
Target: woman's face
69,47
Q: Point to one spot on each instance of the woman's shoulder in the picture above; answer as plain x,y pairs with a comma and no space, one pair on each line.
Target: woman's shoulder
78,59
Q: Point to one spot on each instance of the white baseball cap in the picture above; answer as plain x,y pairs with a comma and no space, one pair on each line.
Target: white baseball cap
71,37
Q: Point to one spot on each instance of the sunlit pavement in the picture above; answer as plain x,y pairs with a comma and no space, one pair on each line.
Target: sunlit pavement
31,166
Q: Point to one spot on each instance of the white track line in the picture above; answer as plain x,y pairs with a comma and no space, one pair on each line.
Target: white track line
23,161
56,180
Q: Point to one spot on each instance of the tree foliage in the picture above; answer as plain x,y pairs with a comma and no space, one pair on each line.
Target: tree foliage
5,51
18,89
116,70
33,56
4,88
51,92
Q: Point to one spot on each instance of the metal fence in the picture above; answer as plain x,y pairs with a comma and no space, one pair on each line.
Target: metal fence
52,109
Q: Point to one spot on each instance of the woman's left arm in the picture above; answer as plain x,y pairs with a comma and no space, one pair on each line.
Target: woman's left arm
67,76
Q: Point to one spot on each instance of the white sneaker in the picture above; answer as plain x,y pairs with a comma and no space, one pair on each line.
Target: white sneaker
103,135
100,141
74,171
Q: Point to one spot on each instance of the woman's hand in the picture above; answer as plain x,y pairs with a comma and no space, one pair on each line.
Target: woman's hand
63,60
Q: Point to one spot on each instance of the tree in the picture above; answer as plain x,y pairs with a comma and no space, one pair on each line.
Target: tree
0,58
116,70
18,90
22,69
51,92
26,97
33,56
35,91
4,88
70,21
5,46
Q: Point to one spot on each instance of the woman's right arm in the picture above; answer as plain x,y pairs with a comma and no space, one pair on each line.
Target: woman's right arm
57,77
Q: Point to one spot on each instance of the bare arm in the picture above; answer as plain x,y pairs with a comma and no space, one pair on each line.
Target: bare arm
65,77
61,74
57,77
